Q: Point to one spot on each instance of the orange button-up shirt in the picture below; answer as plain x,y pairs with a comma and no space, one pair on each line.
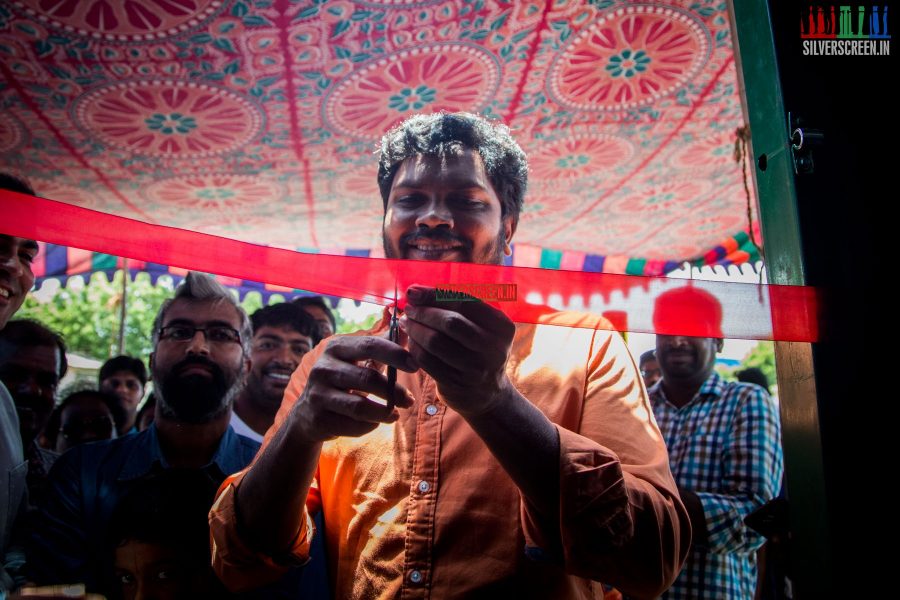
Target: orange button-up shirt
422,509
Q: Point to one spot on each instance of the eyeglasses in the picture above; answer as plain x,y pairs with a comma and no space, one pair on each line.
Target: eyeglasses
101,427
217,334
650,372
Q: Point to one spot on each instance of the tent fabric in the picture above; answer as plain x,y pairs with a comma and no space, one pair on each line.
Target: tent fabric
257,119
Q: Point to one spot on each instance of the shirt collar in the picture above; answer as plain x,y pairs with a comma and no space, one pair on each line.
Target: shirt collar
146,454
712,388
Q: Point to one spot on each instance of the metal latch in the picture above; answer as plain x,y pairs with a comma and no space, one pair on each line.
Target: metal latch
803,140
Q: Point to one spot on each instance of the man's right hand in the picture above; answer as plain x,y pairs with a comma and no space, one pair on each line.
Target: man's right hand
335,403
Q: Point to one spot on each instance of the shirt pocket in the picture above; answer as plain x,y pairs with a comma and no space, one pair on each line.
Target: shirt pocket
700,468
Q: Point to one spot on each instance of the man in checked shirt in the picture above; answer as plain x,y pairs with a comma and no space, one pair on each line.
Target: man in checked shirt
724,441
521,461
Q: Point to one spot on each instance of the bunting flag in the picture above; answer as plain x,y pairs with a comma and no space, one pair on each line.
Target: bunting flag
636,303
61,262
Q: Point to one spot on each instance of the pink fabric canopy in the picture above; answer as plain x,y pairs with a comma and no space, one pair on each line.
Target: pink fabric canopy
259,120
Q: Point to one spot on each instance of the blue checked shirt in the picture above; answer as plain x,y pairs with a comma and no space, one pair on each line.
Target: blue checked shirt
725,446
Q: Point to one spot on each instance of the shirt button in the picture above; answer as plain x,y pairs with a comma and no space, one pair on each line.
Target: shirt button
415,576
424,486
431,409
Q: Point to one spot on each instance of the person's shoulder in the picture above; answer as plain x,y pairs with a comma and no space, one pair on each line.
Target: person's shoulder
749,395
102,448
247,445
745,389
236,451
93,456
573,330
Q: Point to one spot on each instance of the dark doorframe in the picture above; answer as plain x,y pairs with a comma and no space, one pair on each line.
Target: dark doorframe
819,230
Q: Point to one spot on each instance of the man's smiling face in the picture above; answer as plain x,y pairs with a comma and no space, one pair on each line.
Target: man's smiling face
445,208
16,276
274,356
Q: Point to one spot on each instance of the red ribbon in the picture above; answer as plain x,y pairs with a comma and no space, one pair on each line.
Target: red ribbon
748,311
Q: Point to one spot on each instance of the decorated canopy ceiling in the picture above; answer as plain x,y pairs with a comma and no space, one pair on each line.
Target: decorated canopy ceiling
258,120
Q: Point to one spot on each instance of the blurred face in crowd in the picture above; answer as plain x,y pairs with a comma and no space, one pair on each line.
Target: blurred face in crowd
87,419
650,372
146,570
686,360
445,208
31,374
197,374
317,313
274,355
126,386
16,276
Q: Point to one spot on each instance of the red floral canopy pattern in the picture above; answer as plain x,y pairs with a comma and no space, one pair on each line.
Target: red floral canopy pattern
258,120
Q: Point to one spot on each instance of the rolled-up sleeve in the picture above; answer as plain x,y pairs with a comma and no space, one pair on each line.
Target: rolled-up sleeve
620,518
754,465
239,566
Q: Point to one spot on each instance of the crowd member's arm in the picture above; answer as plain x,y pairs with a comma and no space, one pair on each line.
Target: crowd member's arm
754,466
259,523
602,500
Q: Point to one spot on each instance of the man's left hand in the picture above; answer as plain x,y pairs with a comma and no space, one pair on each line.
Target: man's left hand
464,346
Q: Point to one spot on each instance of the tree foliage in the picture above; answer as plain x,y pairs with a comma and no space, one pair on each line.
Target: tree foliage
762,356
87,316
348,326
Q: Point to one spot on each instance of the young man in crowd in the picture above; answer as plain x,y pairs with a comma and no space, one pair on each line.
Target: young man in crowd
724,442
649,368
125,377
32,363
282,334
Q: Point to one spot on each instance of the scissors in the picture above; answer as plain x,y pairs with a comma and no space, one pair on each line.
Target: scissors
394,336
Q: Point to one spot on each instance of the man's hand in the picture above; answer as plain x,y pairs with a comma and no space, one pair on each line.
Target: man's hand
464,346
334,402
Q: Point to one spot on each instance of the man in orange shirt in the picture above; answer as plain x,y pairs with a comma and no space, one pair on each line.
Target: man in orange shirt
521,459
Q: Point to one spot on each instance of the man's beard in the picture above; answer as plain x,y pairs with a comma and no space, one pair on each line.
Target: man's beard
492,255
196,399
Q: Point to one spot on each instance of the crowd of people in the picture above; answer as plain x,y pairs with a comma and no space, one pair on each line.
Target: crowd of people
275,459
